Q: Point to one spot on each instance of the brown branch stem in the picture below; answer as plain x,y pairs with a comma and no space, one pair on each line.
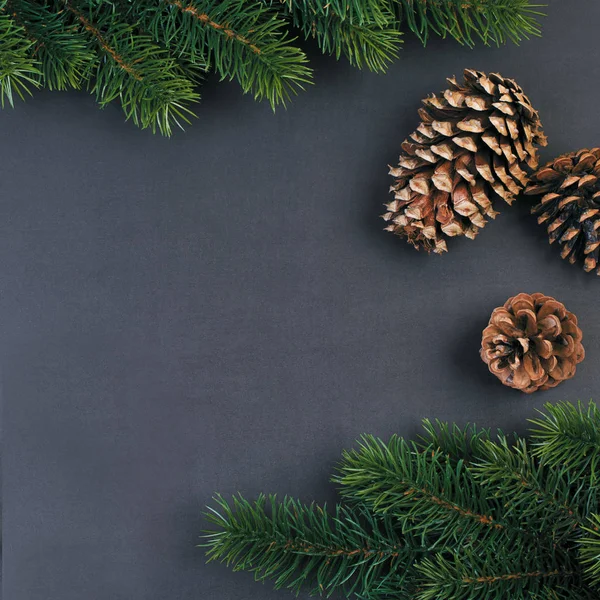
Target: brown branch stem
513,576
484,519
206,20
302,547
88,26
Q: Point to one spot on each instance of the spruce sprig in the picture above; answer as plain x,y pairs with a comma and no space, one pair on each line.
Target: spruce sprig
297,545
365,33
66,58
240,40
19,70
151,86
590,549
463,514
541,497
569,435
430,496
457,443
476,575
489,21
150,55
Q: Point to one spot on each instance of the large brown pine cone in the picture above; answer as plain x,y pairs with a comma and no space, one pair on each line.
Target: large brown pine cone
532,343
569,187
477,142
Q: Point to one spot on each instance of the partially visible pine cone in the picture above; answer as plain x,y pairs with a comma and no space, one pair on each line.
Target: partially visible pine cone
476,142
532,343
569,187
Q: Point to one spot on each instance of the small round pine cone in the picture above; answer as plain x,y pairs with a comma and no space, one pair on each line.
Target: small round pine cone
476,143
569,187
532,343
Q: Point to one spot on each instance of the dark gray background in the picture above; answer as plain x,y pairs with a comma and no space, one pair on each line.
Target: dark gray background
222,310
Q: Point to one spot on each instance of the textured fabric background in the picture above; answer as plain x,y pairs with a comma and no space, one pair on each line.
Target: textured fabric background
222,310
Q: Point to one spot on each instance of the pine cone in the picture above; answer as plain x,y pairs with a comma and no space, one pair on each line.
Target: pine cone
532,343
476,142
570,204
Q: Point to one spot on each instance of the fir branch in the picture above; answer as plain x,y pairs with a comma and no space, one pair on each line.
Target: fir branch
542,498
366,45
477,576
465,516
429,495
369,45
108,49
66,60
568,436
18,69
356,12
297,545
490,21
365,33
457,443
240,40
590,550
152,88
205,19
150,54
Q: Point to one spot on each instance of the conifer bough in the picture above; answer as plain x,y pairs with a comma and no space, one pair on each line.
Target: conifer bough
150,55
461,514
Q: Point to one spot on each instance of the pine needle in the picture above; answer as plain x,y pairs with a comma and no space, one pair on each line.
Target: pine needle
462,515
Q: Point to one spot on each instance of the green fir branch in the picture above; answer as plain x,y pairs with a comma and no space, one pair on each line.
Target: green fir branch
151,87
357,12
240,40
489,21
297,545
542,498
66,59
151,54
366,34
458,516
367,45
19,70
485,575
431,497
457,443
590,550
568,436
370,46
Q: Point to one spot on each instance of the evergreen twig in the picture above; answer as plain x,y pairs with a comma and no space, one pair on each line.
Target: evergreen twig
427,493
590,549
240,40
150,54
458,443
151,86
462,515
569,436
298,545
66,59
19,70
489,21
